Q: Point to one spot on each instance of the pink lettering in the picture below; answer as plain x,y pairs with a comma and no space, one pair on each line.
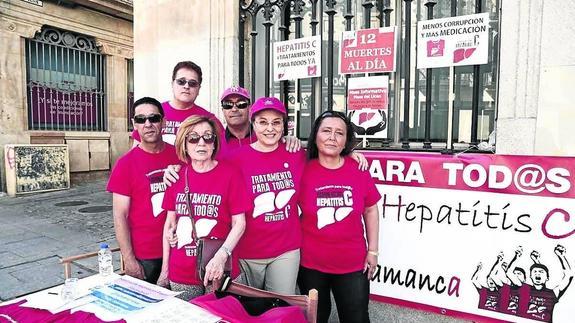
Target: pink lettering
566,218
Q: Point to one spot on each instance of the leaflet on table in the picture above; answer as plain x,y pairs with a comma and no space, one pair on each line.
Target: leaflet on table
172,310
124,296
111,298
51,299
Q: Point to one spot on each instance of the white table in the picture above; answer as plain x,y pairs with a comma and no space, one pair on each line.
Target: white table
120,297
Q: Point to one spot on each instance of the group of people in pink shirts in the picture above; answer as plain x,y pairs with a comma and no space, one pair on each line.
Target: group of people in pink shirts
289,218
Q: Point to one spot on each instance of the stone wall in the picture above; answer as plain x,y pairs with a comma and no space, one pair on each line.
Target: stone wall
113,33
537,79
169,31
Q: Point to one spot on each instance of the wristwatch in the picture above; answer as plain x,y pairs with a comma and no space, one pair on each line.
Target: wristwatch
226,250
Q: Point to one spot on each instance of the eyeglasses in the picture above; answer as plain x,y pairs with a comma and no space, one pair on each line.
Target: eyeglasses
191,83
228,105
194,138
264,124
153,118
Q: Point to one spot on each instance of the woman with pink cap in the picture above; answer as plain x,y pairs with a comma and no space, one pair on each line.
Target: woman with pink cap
269,250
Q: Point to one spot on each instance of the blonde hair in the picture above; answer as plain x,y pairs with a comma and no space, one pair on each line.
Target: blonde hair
185,129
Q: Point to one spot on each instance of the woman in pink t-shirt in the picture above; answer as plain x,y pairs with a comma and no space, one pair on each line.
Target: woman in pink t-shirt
214,194
337,200
269,249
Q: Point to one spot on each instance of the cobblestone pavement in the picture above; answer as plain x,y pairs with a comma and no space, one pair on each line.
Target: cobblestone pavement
36,231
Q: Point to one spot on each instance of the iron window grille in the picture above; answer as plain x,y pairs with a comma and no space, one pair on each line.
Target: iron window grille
65,75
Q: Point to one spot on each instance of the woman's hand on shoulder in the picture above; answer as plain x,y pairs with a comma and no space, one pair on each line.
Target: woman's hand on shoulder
293,144
360,159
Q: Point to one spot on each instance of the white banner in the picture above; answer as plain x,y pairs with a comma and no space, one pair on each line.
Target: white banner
455,41
487,235
297,59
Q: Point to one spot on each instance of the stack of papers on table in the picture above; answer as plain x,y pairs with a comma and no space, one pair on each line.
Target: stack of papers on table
121,297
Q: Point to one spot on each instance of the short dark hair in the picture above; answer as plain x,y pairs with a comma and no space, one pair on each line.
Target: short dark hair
189,65
540,266
312,151
519,269
148,100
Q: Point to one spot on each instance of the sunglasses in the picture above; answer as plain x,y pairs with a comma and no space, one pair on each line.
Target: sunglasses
153,118
194,138
228,105
333,114
191,83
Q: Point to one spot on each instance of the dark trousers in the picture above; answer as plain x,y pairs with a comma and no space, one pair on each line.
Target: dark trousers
152,269
351,293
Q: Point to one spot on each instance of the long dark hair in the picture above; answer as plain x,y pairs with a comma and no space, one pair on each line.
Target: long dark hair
312,151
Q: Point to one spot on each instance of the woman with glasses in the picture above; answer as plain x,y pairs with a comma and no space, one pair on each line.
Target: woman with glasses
269,249
186,84
338,202
214,194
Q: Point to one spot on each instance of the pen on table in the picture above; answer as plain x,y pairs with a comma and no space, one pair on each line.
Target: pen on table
52,293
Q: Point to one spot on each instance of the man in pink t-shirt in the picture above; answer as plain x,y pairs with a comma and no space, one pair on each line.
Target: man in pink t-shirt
186,84
239,132
138,192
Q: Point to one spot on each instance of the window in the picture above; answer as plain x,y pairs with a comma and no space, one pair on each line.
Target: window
65,82
130,94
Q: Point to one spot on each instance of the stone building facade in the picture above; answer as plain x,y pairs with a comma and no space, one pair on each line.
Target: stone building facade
83,60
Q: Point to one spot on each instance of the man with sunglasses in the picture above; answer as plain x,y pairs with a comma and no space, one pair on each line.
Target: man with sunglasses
186,84
239,132
138,191
235,107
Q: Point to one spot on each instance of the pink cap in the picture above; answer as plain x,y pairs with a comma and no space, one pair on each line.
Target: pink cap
237,90
267,103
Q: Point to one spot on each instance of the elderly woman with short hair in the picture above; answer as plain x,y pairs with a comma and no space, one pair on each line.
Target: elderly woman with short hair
217,198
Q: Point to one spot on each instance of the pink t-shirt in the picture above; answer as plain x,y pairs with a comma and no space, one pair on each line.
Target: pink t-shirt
332,203
175,117
138,175
214,197
272,226
16,313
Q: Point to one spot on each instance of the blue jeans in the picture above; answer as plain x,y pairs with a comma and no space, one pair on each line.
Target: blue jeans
351,293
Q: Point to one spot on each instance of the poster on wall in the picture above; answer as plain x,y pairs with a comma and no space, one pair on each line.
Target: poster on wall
367,105
297,59
455,41
36,168
367,51
487,235
52,107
